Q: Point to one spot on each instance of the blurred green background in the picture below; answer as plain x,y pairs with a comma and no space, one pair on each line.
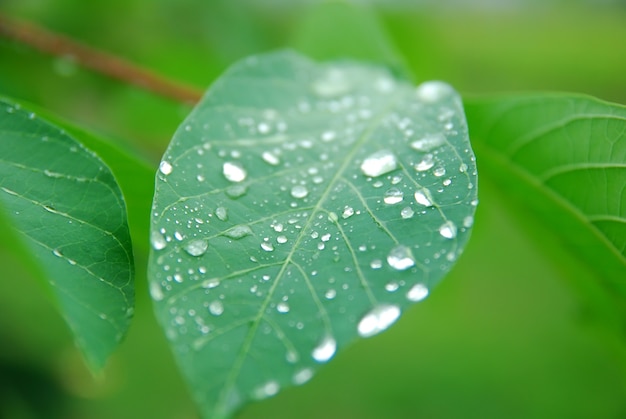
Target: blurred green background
518,330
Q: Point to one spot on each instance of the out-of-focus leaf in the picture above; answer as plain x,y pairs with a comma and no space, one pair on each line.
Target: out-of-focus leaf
68,210
565,156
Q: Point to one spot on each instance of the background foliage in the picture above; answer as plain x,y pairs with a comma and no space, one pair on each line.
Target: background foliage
518,329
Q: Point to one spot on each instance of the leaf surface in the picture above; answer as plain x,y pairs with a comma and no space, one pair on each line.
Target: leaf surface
564,156
68,211
299,206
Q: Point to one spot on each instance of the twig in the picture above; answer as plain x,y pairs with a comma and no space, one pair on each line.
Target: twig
98,61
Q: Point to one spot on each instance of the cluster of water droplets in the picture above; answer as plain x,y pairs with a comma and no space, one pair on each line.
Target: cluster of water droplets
322,189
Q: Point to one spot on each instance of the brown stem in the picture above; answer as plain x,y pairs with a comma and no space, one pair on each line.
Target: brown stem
101,62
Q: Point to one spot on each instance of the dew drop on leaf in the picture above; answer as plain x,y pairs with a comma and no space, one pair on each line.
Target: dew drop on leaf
156,292
196,247
393,196
165,167
426,163
330,294
400,258
270,158
325,350
392,286
377,320
157,240
234,172
268,389
417,293
433,91
423,197
299,191
238,232
236,191
407,212
376,264
379,163
216,308
302,376
448,230
221,213
428,142
210,283
347,212
267,246
282,307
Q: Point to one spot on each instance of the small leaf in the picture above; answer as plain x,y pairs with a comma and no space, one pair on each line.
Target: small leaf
66,206
565,155
299,206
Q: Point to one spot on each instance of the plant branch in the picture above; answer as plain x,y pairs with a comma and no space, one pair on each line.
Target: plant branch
101,62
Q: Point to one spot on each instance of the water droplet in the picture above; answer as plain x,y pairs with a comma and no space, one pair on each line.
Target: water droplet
210,283
238,232
423,197
302,376
267,246
281,239
282,307
325,350
57,253
326,237
392,286
196,247
433,91
178,235
393,196
330,294
292,357
377,320
400,258
333,82
439,171
396,179
299,191
271,388
448,230
236,191
379,163
216,308
165,167
263,127
157,240
468,221
328,136
376,264
347,212
270,158
426,163
417,293
428,142
221,213
156,292
407,212
234,172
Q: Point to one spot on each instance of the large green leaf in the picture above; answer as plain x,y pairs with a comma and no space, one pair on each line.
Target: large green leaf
70,215
565,156
299,206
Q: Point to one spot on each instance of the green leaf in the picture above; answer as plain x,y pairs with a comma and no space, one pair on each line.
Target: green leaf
299,206
564,156
362,37
69,212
